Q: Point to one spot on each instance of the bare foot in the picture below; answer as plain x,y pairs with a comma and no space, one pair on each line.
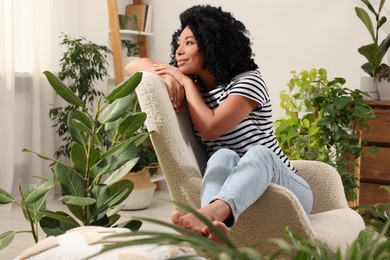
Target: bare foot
217,212
212,236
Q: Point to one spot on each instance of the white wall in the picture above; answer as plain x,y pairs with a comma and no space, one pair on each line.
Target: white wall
287,35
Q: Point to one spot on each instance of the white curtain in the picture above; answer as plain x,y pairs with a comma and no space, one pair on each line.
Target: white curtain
28,46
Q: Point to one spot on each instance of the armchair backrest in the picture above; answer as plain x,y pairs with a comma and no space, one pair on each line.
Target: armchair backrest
182,158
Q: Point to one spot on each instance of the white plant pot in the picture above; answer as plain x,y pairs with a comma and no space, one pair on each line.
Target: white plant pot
384,89
369,85
139,199
143,191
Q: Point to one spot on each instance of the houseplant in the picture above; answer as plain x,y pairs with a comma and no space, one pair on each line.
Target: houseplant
375,51
368,245
81,66
322,122
92,183
130,50
383,77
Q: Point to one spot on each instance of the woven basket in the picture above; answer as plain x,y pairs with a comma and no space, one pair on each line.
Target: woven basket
141,179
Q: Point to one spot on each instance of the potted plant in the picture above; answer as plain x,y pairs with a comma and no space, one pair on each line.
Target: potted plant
383,77
142,172
130,50
82,64
323,120
375,51
92,182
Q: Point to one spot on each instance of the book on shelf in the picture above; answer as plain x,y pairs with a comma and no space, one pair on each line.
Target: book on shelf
142,13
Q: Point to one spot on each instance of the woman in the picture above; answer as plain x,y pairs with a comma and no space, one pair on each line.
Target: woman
212,66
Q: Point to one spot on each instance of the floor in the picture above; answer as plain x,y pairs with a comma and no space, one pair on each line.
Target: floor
160,208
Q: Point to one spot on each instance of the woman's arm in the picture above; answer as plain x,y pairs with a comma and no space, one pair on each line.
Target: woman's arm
141,64
175,90
210,123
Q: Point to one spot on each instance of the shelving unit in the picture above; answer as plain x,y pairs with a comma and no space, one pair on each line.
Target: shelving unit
375,170
116,35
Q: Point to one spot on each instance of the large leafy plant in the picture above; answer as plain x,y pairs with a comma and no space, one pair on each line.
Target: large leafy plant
375,51
81,65
322,122
92,183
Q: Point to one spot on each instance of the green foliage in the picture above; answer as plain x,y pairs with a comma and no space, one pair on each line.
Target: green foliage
373,52
92,183
322,121
377,215
131,47
367,245
32,203
82,64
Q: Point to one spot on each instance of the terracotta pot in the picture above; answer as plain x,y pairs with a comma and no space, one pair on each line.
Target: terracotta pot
143,191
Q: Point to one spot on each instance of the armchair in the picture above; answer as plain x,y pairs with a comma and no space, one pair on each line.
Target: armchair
183,159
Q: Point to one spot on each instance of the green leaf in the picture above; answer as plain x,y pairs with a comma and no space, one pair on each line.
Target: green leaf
115,110
101,193
78,155
35,199
70,181
373,54
111,128
44,157
5,197
54,226
77,135
134,225
77,201
116,159
60,216
125,88
6,239
119,191
39,192
132,123
365,18
82,127
121,172
66,93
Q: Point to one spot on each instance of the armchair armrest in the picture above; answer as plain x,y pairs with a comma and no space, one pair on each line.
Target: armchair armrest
325,182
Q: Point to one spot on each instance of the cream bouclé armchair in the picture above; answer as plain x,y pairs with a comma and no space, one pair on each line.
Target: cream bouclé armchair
183,159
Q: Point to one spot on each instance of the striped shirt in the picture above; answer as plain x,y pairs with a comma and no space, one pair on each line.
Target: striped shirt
256,128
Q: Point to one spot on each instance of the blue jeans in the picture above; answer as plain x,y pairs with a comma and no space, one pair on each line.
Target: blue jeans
241,181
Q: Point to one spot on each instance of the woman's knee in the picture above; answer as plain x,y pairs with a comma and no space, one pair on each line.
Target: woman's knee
222,159
260,152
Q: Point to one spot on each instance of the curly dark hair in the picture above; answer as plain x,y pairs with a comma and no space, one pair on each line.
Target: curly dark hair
222,39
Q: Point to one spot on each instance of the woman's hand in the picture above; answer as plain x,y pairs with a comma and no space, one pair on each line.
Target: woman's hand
175,90
175,83
164,69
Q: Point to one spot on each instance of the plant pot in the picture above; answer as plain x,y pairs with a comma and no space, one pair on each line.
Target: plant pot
369,85
384,89
143,191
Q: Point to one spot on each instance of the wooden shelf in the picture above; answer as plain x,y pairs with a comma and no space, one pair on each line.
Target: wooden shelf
375,169
116,36
132,32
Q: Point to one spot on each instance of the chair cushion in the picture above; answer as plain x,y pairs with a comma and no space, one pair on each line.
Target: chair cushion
337,228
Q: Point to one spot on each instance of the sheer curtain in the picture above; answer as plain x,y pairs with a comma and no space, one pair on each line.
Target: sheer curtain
26,50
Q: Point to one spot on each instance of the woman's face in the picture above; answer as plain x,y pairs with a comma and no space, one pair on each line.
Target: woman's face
188,57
